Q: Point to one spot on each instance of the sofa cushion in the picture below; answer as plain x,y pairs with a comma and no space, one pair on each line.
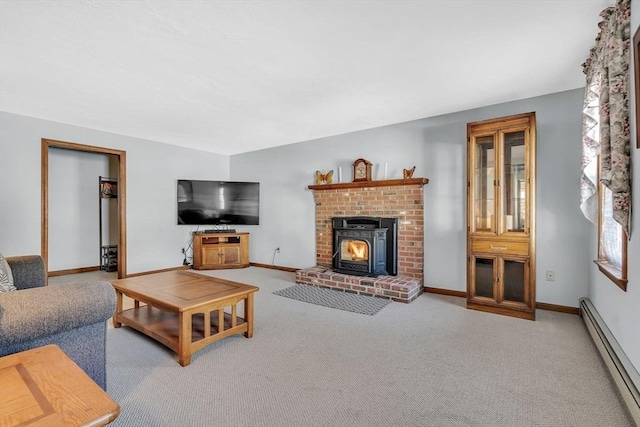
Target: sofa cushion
6,278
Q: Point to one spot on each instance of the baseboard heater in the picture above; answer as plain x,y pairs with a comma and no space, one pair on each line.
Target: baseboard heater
623,372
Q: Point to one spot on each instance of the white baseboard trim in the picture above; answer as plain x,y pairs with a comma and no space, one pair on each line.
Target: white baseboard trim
623,372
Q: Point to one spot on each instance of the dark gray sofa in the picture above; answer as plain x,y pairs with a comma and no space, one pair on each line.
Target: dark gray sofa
73,316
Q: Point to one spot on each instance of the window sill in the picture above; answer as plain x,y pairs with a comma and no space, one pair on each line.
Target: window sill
613,273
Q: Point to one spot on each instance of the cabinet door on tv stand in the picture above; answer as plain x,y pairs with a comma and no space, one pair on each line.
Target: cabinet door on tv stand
211,257
230,255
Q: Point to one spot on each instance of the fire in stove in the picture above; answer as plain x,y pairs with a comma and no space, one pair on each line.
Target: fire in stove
357,250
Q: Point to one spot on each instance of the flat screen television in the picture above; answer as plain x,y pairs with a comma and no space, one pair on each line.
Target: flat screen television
218,202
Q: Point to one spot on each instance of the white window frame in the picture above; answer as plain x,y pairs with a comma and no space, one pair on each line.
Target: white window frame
612,240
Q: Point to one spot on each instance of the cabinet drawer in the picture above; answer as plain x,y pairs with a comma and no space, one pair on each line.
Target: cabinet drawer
500,247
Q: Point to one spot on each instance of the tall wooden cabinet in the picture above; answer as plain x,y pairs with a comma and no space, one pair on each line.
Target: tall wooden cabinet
501,215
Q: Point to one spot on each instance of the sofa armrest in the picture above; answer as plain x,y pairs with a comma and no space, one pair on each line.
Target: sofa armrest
28,271
31,314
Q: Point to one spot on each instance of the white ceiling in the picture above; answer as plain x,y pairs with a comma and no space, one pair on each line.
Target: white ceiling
237,76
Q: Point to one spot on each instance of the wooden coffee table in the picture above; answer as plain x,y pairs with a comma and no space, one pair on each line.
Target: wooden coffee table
184,310
44,387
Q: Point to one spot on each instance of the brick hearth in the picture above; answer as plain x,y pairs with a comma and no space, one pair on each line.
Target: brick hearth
401,289
400,198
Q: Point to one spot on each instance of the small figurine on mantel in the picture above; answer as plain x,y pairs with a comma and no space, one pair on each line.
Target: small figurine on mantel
408,173
324,179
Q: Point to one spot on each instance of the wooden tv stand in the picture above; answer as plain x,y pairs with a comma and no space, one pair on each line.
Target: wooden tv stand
213,251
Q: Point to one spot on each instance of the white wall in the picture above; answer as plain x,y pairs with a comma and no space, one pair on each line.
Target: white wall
437,146
74,239
621,310
154,240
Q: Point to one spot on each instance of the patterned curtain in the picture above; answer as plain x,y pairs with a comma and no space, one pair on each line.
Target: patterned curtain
605,127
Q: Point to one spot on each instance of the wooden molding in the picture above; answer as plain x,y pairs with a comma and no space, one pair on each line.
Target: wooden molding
558,308
540,305
144,273
46,144
449,292
274,267
369,184
73,271
188,267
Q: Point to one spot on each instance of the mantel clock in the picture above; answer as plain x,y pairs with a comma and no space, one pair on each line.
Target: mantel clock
361,170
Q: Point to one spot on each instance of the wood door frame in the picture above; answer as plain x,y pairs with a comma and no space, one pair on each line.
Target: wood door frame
122,199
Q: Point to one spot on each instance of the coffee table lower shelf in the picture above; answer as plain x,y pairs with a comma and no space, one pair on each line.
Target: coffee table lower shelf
183,310
164,327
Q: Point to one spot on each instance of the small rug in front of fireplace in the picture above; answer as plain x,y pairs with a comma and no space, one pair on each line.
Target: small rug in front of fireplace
334,299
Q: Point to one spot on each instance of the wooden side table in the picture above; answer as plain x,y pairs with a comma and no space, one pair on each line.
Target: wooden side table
43,387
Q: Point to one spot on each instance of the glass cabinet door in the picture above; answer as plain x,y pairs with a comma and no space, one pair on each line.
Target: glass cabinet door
500,278
514,280
484,183
513,184
484,273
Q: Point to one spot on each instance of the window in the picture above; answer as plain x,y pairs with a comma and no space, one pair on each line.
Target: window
612,241
605,184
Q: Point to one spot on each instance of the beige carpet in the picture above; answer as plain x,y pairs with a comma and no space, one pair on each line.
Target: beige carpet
428,363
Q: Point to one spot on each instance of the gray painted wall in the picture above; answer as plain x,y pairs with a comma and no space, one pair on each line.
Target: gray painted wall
565,240
437,146
154,238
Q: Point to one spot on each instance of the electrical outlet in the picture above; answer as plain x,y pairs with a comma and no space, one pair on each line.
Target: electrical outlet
551,275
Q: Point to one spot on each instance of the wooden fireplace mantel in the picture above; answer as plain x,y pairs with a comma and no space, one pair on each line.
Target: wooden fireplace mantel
370,184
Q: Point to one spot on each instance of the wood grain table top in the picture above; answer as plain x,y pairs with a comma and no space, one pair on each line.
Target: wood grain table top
44,387
180,290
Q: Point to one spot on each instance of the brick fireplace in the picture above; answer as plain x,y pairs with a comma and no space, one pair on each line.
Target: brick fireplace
400,198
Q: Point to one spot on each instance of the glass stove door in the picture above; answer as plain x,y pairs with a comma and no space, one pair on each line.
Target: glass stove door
354,250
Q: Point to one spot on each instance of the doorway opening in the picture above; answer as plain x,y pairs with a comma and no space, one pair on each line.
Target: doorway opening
120,156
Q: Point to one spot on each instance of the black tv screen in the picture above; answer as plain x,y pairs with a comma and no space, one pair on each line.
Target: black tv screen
218,202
